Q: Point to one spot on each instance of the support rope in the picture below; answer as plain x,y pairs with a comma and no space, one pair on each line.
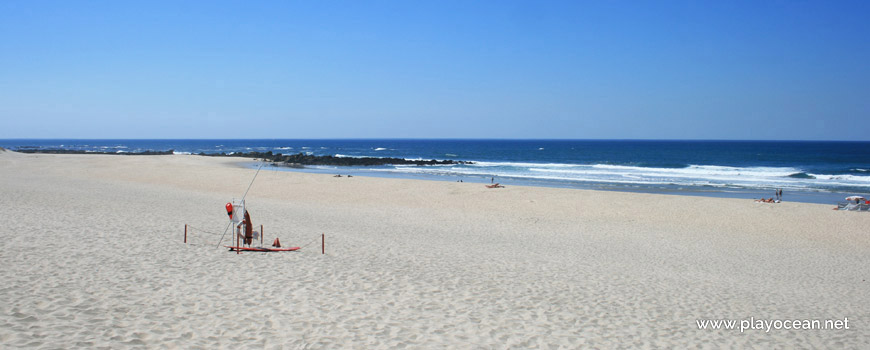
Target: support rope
225,233
252,181
201,230
307,244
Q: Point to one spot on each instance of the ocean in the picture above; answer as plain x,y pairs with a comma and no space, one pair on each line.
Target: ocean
807,171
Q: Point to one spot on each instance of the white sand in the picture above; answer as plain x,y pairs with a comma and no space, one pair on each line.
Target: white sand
93,257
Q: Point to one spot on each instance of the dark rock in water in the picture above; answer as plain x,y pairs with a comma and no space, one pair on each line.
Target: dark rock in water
289,165
298,160
75,151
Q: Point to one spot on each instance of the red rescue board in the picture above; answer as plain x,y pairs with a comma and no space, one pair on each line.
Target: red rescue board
255,249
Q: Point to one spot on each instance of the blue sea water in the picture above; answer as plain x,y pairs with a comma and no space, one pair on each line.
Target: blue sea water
809,171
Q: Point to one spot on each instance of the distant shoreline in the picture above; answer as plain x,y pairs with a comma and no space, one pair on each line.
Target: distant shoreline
75,151
794,196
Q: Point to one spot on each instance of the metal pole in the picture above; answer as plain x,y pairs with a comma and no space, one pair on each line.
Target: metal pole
322,243
185,233
261,235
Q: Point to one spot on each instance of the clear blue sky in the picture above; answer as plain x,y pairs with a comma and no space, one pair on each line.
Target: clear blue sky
439,69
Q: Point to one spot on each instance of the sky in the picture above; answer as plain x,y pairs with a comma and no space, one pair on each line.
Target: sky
738,70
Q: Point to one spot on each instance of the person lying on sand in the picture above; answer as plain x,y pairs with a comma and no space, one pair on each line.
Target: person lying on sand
496,185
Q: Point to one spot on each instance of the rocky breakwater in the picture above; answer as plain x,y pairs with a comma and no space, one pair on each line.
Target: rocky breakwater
301,159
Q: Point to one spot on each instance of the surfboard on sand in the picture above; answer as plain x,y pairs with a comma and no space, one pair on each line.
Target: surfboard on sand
261,249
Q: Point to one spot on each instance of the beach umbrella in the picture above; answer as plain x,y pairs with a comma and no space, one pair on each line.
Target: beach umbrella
855,198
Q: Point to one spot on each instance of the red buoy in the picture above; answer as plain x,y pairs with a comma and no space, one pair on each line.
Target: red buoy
230,210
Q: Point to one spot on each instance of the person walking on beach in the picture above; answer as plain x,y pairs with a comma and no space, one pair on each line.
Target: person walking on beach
492,180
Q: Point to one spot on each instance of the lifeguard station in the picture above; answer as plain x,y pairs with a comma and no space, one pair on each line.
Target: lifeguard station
242,224
243,228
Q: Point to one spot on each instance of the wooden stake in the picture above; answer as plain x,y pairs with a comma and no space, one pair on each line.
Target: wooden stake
185,233
261,235
322,243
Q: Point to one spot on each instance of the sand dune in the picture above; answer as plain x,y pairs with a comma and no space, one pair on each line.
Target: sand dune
94,258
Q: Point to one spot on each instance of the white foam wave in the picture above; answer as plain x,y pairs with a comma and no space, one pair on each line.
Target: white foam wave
179,152
706,170
380,149
337,155
848,178
694,175
520,164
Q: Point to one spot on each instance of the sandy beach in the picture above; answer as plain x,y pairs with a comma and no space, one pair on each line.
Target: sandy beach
94,257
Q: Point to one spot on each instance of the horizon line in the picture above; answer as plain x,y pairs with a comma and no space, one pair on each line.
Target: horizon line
434,138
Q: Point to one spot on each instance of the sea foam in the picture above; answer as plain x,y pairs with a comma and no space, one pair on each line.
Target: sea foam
692,175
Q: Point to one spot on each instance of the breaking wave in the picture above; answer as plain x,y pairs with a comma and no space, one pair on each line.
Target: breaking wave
692,175
337,155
